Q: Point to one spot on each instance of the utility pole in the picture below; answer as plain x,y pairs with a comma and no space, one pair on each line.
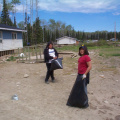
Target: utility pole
32,19
36,8
30,11
26,22
23,11
115,32
43,33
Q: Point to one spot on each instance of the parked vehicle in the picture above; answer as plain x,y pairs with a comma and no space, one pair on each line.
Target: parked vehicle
113,39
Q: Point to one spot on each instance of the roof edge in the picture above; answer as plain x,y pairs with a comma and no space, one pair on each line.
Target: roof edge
19,30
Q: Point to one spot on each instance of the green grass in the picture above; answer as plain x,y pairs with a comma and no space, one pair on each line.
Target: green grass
75,48
105,49
68,48
116,54
109,52
12,58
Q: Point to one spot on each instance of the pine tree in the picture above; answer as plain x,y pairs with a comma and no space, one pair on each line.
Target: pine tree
38,32
83,36
5,15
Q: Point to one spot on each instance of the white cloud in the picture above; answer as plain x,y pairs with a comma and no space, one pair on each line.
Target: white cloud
83,6
21,9
116,13
86,6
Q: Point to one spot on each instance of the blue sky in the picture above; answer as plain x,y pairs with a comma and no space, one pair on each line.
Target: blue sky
87,15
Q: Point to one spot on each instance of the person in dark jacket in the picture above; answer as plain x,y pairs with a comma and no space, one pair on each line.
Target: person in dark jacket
50,53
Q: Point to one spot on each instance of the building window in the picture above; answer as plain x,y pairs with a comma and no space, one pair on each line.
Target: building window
0,37
14,35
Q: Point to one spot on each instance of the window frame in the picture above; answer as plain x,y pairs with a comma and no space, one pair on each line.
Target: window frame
14,33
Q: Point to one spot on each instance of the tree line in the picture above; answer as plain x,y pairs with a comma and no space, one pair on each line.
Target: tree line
41,31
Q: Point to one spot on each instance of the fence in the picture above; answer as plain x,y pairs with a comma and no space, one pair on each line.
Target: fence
26,54
31,54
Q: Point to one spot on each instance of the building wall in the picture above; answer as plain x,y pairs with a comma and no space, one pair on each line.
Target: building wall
66,41
8,43
8,34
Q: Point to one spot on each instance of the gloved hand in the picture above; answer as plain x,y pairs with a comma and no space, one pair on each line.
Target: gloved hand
83,77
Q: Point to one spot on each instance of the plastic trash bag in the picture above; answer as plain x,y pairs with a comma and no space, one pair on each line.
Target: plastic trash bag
56,64
78,96
22,55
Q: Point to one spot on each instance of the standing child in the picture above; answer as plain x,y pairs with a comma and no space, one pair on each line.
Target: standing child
78,96
49,54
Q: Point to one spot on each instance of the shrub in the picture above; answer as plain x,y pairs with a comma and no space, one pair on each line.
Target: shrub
11,58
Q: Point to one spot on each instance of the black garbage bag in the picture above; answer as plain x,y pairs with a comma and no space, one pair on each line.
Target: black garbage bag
56,64
78,96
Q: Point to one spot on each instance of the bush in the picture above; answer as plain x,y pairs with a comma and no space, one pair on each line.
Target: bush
11,58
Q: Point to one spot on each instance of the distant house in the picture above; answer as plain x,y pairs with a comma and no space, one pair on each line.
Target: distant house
67,40
10,39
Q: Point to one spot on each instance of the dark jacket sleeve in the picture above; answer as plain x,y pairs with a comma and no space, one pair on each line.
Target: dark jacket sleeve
46,55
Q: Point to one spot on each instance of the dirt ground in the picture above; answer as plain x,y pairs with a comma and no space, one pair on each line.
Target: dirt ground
40,101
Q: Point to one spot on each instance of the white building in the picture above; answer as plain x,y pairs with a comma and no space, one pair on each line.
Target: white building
66,40
10,39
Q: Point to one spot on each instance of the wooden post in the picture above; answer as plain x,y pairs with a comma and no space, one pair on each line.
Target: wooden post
36,52
18,54
29,53
22,56
26,53
40,52
33,51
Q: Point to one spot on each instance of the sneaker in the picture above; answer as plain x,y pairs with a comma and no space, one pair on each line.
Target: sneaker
53,80
46,82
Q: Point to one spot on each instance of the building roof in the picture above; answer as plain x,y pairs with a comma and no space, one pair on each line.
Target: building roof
67,37
11,28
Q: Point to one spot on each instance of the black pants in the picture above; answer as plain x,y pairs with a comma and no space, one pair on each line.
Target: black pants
49,72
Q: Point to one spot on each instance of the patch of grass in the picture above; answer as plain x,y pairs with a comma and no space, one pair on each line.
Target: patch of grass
74,48
100,54
109,52
105,49
12,58
116,54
